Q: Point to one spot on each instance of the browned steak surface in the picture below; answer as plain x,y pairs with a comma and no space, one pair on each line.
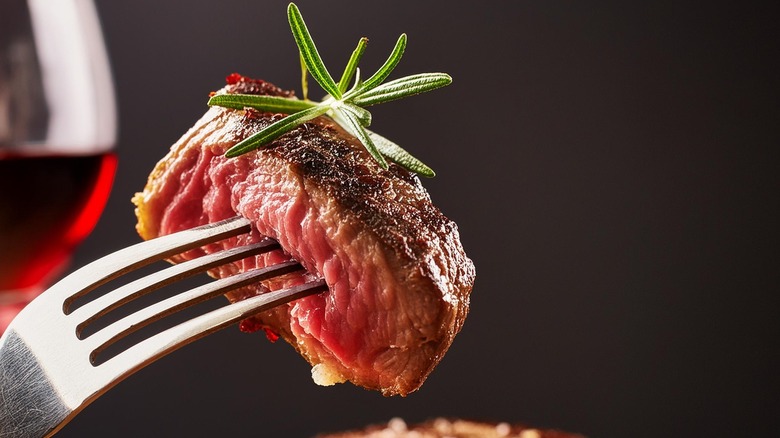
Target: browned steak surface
399,280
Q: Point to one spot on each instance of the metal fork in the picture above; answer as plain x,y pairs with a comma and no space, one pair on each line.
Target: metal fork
48,373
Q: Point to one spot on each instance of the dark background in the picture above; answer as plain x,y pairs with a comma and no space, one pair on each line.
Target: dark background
608,164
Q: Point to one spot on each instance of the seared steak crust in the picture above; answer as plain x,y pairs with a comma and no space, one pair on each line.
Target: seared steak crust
398,277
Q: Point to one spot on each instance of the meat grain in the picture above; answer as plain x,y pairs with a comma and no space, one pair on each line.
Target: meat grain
398,278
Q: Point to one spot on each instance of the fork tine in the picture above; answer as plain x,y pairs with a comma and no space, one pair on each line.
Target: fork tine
123,327
147,351
127,259
93,310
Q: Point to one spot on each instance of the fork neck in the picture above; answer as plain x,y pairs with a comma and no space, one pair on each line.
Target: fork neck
41,410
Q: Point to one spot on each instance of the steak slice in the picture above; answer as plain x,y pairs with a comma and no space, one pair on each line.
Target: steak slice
399,281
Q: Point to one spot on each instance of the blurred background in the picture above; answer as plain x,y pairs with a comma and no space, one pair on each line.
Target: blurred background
608,164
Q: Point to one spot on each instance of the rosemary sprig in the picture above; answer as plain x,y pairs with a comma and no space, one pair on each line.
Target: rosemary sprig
343,105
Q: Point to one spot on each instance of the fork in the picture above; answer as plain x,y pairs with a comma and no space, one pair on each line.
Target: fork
50,370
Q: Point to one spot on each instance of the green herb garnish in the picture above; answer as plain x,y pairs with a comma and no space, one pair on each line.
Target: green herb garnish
343,104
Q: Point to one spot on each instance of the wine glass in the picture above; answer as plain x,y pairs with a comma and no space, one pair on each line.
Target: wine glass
57,131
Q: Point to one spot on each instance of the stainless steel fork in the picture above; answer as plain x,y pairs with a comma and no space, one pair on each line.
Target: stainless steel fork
49,371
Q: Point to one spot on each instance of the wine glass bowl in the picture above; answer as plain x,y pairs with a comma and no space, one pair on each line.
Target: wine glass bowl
57,133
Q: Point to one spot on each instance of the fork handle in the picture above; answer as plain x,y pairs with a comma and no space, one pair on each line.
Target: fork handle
35,416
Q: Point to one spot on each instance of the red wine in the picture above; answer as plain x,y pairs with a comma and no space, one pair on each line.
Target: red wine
48,205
